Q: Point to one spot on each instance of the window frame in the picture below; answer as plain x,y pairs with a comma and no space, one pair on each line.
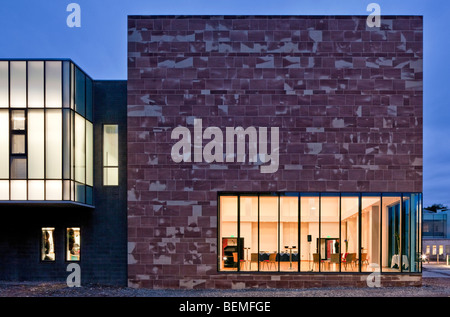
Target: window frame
104,167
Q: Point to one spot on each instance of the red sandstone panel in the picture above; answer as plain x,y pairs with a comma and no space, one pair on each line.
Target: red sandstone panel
347,100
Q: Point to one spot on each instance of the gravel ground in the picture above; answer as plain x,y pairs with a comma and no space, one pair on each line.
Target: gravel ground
436,283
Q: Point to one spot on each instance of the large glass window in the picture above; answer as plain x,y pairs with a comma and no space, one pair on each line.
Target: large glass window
47,244
391,234
350,246
338,232
329,233
228,239
289,211
110,155
309,228
268,233
370,232
249,231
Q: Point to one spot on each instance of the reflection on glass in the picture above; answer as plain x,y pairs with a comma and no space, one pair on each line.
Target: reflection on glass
391,238
228,242
89,113
349,233
48,244
249,232
309,233
329,234
80,92
73,246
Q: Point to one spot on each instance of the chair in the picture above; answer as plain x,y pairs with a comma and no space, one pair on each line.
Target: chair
235,259
272,260
254,258
335,259
348,259
364,259
316,259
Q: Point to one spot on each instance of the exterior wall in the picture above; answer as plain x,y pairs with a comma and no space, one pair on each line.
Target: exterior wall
103,229
346,98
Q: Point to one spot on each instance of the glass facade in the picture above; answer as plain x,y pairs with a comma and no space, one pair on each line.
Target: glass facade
46,132
319,232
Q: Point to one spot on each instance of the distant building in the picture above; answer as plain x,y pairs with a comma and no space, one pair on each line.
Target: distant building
436,235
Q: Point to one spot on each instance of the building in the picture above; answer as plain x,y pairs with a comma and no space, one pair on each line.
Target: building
260,148
436,235
242,151
63,175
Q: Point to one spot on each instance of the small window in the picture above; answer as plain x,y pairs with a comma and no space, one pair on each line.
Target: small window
18,120
73,247
434,250
110,155
427,250
18,144
18,168
48,244
441,250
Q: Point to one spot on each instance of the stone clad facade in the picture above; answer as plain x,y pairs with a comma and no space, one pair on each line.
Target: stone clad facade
347,99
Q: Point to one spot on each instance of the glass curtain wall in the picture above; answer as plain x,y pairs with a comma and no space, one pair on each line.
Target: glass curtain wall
337,232
46,134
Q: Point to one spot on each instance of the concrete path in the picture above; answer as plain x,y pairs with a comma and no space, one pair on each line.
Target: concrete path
435,270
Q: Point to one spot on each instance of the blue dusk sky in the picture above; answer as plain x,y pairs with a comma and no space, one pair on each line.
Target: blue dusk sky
38,29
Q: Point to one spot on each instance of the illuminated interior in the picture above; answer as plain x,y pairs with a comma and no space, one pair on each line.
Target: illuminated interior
46,132
337,232
73,247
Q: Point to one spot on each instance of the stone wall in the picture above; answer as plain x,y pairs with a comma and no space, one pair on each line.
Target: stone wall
347,100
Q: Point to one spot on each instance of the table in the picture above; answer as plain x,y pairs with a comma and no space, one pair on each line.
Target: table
290,255
396,261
